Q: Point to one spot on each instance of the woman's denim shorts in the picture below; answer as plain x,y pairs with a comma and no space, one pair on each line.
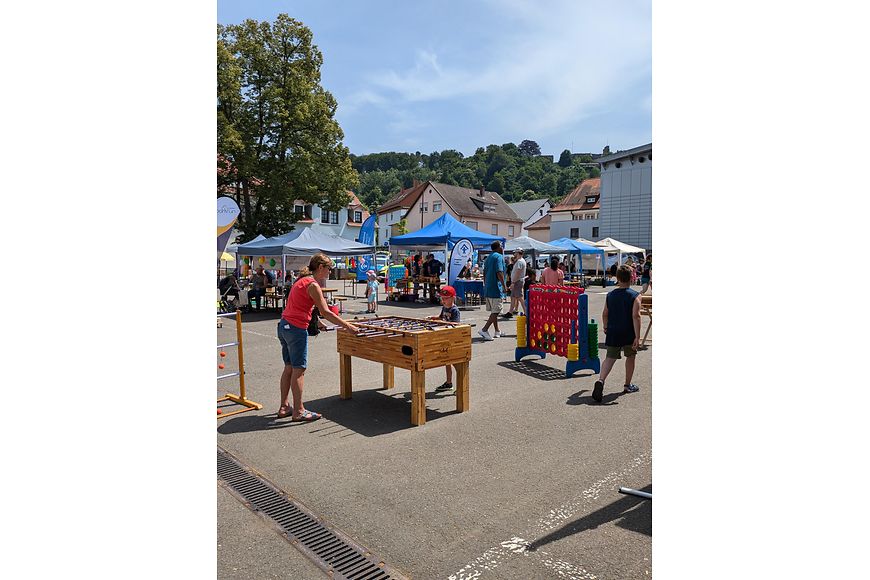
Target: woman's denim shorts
294,344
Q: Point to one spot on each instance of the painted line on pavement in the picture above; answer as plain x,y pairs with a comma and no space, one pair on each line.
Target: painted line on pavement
493,557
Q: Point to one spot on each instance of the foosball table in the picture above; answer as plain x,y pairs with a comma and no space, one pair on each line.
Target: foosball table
409,343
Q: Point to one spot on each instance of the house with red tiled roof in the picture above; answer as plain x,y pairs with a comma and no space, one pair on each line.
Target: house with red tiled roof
481,210
576,216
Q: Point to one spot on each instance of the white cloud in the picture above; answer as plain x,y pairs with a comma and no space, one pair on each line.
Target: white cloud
555,63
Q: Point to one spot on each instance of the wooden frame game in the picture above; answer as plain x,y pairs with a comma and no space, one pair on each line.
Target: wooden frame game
409,343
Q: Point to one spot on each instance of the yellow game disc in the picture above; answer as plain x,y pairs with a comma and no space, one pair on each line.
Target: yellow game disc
533,343
552,348
539,335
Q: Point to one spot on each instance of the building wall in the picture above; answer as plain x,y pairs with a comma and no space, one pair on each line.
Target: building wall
387,222
626,200
339,229
562,229
542,235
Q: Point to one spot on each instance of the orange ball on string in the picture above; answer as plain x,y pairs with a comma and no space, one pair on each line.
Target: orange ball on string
220,366
223,354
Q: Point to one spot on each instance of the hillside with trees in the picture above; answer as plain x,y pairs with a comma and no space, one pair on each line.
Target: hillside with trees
517,173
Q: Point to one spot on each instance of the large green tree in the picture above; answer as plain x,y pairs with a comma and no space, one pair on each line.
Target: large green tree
278,140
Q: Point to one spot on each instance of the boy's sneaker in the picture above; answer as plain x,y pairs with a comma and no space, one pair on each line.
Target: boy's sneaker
507,315
445,387
484,334
497,334
632,388
597,391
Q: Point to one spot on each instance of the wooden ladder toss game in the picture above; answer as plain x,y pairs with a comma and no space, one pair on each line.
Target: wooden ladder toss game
557,323
239,399
409,343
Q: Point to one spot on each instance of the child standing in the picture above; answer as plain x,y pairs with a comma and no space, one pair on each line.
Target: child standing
621,323
372,291
449,313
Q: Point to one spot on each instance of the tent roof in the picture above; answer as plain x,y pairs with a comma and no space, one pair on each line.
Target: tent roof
305,242
445,230
620,246
525,243
576,247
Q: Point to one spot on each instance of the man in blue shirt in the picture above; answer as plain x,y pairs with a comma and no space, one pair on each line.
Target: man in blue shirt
493,274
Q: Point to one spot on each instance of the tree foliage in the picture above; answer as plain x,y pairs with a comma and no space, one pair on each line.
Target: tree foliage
507,169
529,148
278,140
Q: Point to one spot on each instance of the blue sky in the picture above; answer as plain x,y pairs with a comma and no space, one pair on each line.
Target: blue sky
430,75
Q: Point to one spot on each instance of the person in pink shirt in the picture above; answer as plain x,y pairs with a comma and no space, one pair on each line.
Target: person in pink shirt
552,275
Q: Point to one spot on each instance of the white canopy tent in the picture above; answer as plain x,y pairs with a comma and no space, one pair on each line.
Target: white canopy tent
612,246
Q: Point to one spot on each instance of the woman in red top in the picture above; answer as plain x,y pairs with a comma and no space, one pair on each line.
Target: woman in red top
304,295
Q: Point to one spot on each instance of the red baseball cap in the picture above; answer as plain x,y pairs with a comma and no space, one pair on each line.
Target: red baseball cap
447,291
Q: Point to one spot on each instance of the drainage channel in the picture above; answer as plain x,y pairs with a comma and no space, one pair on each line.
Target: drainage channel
332,551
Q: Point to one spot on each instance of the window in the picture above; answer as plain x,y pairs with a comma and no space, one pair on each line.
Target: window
590,199
324,216
333,217
357,216
510,230
472,225
425,206
436,206
594,232
299,210
542,212
494,229
575,233
488,208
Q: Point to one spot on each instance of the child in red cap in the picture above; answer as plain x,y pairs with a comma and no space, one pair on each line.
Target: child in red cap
449,313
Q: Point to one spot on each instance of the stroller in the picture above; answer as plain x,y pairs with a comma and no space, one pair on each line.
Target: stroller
227,303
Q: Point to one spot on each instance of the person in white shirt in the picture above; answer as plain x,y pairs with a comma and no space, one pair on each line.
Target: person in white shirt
518,276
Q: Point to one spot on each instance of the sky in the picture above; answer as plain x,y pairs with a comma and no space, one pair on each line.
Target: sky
431,75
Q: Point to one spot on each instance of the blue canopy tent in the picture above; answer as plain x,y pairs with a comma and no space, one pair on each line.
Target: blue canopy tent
445,232
577,247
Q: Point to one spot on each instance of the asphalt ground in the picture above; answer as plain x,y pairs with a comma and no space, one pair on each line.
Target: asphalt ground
523,485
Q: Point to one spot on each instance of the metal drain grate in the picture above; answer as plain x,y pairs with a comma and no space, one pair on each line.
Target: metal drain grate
336,554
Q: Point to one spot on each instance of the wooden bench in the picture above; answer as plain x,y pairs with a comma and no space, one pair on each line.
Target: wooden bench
646,310
340,300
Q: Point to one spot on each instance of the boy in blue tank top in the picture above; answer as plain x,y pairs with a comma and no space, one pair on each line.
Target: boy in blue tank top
621,323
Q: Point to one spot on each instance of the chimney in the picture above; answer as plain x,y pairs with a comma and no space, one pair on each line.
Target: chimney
482,192
416,182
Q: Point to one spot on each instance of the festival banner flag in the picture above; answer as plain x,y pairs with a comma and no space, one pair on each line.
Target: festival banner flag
459,255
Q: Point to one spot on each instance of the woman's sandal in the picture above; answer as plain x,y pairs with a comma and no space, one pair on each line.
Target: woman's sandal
284,412
307,416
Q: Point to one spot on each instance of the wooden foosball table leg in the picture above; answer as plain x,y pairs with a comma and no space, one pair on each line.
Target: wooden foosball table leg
389,376
461,387
345,376
418,397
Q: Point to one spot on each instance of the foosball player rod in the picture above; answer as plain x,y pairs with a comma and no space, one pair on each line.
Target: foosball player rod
636,493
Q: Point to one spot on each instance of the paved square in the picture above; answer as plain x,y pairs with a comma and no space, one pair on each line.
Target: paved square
523,485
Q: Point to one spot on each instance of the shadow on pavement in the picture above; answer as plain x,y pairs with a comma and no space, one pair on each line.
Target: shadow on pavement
578,398
541,372
369,413
628,512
